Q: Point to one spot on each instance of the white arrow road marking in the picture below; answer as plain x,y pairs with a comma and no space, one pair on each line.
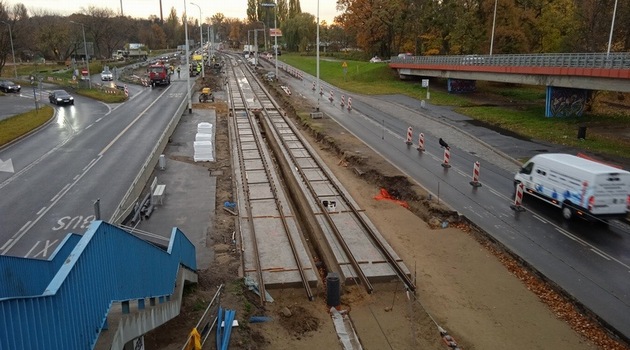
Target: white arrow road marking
6,166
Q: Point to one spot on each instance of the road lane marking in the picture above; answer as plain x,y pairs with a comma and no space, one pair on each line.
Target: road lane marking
7,243
99,119
40,211
89,126
61,191
600,254
133,122
44,251
539,218
22,228
18,235
37,161
29,252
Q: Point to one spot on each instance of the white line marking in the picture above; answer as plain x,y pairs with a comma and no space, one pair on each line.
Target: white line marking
132,123
89,126
539,218
18,235
44,251
76,176
40,211
29,252
7,243
22,228
61,191
600,254
99,119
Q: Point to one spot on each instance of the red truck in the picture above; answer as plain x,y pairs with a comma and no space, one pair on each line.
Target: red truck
159,74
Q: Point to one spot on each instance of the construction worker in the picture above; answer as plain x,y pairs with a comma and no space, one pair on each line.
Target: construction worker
178,71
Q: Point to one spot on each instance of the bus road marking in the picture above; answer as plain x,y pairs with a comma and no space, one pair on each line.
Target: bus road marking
29,252
44,251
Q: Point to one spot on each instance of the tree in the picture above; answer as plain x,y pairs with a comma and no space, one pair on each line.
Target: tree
299,32
252,11
294,8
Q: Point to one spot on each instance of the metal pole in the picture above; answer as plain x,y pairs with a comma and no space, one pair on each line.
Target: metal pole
87,57
121,9
187,60
12,50
203,71
494,20
275,26
612,26
317,44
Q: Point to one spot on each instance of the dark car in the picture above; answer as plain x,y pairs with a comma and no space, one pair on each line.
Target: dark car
60,97
9,86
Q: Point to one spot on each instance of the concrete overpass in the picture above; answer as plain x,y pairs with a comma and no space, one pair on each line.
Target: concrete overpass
568,77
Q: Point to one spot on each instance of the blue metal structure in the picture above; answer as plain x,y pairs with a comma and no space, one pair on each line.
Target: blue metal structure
62,302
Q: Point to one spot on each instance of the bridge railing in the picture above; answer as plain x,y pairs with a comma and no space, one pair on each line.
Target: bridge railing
62,303
620,60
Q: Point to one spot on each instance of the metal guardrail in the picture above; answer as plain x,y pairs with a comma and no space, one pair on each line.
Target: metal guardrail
62,303
564,60
135,189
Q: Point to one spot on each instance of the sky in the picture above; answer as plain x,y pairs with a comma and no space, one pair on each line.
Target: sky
144,8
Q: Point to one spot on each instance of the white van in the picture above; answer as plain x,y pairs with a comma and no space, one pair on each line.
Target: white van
580,187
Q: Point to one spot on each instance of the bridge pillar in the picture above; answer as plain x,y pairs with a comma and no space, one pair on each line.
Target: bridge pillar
566,102
461,85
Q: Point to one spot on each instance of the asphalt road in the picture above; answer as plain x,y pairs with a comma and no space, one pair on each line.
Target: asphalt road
90,151
589,261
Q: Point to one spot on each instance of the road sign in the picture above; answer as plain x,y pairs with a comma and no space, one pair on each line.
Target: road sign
344,64
273,32
425,83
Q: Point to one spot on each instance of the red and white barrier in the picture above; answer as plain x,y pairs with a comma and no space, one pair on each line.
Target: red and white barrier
321,91
447,158
409,135
343,100
349,103
518,198
126,91
475,177
332,96
421,142
313,85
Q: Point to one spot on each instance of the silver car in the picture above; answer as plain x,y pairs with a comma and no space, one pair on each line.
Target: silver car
106,74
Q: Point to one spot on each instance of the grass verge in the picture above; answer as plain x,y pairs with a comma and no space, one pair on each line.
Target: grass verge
526,118
21,124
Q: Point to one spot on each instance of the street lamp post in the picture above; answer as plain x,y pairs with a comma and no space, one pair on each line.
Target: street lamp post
187,60
612,26
203,71
87,57
317,44
494,19
12,50
275,37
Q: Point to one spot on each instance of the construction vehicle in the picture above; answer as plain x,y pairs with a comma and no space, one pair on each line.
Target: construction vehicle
206,95
159,74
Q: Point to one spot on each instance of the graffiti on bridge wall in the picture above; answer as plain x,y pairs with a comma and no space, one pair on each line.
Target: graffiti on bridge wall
566,102
461,85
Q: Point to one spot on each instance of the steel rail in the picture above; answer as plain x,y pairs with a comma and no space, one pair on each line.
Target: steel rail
274,191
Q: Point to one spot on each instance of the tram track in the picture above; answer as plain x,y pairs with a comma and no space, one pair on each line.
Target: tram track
345,240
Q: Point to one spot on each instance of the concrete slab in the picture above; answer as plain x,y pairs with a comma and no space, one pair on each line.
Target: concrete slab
192,211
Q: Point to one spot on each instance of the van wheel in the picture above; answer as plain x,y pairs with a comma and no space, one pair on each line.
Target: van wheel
567,212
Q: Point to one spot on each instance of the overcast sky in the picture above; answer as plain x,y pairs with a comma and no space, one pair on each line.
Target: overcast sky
144,8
